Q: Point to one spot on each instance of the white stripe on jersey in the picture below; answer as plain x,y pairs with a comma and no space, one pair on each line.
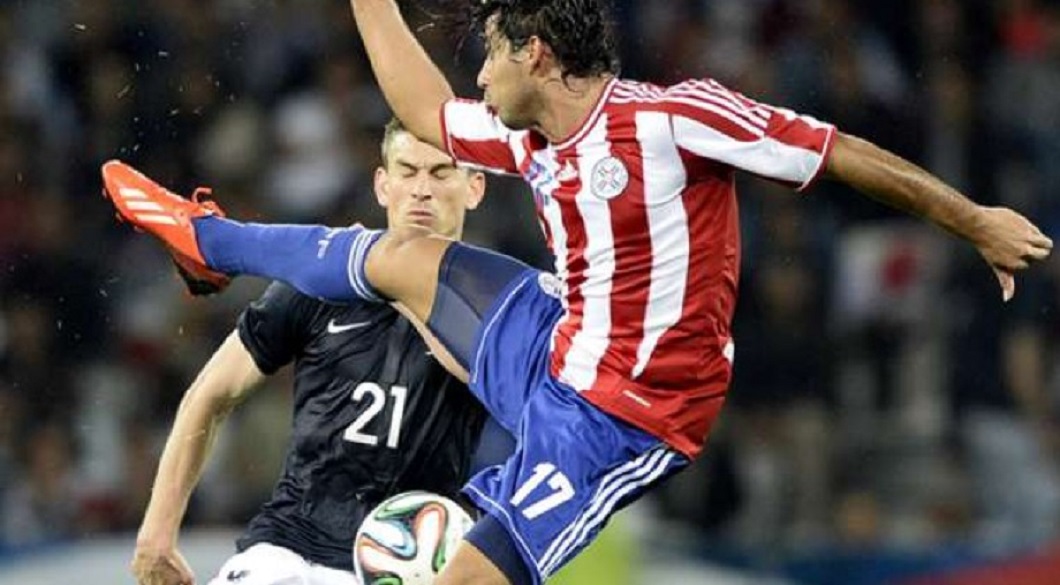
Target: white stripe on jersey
668,227
518,151
756,116
709,97
714,87
765,157
465,120
752,127
628,89
550,212
469,120
594,336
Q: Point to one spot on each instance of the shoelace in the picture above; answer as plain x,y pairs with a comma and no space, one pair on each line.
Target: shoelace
204,197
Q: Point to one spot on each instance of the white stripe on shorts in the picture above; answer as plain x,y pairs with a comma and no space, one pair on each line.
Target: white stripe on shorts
641,471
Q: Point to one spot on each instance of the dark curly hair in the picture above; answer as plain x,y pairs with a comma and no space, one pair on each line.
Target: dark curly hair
580,32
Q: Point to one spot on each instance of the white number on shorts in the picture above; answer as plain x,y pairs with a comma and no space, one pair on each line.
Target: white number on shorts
562,490
378,401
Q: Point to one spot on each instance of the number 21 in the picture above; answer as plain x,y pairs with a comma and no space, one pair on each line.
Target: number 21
354,432
562,490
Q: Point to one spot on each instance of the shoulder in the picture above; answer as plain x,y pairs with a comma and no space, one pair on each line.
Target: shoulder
630,90
698,94
284,307
278,292
646,94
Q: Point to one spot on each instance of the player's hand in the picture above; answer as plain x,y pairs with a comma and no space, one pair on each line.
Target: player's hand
161,566
1009,243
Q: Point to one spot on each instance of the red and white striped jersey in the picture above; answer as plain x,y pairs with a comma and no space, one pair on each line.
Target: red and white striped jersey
639,209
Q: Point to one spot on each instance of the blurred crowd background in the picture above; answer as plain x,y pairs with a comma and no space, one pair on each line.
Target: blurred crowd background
885,398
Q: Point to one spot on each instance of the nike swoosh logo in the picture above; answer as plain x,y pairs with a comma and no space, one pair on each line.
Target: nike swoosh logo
334,327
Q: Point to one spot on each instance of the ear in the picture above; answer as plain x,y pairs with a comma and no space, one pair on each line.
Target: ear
477,184
380,185
538,54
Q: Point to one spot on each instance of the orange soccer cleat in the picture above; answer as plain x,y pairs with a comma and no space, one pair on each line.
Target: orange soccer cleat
152,208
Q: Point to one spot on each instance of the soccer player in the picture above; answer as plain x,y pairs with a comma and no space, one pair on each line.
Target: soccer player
374,413
611,374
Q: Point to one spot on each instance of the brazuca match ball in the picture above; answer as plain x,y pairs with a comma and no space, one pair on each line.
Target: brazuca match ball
408,538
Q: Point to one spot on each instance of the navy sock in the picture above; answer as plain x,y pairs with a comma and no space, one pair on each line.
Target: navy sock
492,540
326,263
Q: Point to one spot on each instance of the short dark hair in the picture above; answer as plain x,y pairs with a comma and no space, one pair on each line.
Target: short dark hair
390,132
580,32
392,129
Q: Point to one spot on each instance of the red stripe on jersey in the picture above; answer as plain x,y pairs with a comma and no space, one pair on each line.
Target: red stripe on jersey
792,130
630,282
471,138
648,244
726,125
706,95
447,137
812,141
575,232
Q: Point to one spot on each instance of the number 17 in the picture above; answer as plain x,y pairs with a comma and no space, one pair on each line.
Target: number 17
562,490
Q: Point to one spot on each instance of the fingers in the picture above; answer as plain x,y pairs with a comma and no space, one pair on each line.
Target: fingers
1036,254
1040,240
1036,249
1040,245
163,574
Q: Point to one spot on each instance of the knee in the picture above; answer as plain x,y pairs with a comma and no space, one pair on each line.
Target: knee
392,252
400,246
403,266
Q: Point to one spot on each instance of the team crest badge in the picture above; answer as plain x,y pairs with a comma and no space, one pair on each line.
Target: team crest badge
550,284
609,178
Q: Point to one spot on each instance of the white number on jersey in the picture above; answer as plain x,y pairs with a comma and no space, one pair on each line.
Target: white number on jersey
378,399
562,490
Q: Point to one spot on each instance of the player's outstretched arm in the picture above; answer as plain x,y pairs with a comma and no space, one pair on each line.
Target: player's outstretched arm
412,84
1007,241
222,384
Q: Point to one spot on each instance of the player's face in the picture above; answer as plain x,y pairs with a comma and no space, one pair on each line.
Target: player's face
505,80
422,187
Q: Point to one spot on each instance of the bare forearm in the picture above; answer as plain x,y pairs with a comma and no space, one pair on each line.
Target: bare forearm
412,84
224,382
903,185
186,452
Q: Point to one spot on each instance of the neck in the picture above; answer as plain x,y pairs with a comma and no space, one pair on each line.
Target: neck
567,104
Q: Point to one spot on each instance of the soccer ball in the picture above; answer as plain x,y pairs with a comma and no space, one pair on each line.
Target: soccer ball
408,538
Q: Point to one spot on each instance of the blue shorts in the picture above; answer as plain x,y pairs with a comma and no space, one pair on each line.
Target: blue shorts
574,465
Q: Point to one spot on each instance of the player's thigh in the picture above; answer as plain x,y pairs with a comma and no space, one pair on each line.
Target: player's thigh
262,564
497,319
574,467
474,288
